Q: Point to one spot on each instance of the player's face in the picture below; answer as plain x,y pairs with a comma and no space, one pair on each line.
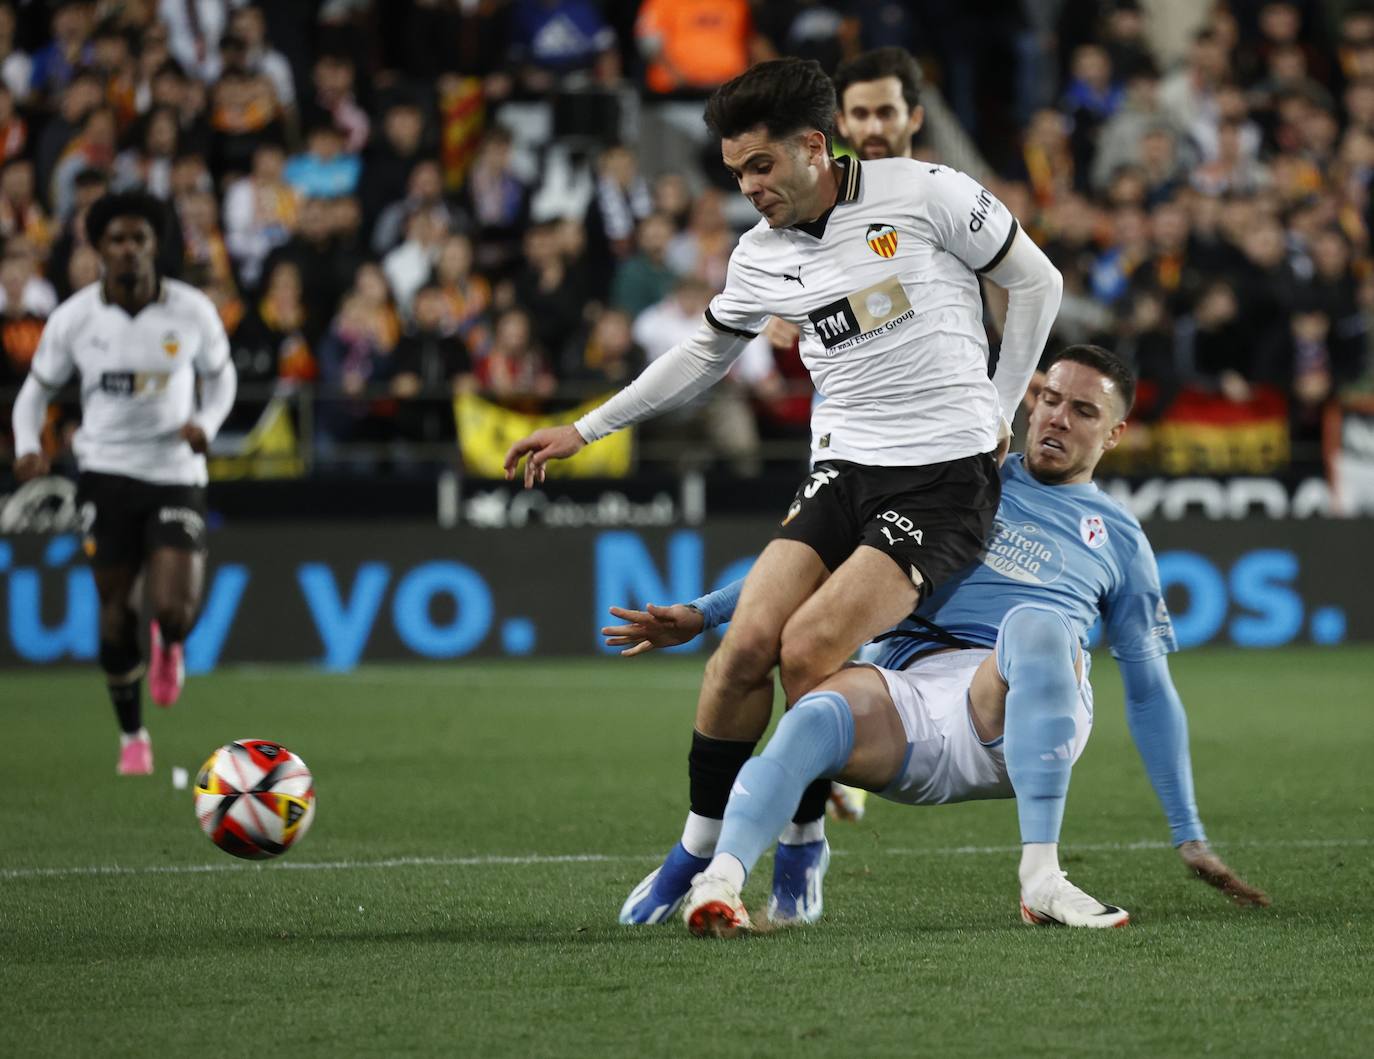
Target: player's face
127,250
781,178
876,121
1077,418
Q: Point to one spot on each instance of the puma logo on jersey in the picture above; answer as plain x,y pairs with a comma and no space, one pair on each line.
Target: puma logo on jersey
794,279
890,538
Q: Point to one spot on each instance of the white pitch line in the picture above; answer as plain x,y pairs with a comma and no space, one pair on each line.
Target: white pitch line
611,858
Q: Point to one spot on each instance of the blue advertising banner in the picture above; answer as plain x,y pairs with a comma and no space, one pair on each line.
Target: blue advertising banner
338,595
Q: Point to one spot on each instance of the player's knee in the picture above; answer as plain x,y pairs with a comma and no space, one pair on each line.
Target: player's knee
744,657
120,652
174,619
804,659
818,729
118,623
1035,636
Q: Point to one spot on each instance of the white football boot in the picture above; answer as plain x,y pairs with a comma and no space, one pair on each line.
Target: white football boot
713,909
1056,902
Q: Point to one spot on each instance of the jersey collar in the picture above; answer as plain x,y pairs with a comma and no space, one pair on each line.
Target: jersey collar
849,191
159,299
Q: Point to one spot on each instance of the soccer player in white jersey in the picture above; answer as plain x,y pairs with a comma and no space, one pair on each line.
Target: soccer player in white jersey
878,263
879,97
984,692
138,341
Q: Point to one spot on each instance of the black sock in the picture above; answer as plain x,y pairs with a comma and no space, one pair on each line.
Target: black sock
712,767
128,704
812,804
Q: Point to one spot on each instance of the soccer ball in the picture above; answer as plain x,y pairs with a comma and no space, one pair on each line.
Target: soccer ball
254,798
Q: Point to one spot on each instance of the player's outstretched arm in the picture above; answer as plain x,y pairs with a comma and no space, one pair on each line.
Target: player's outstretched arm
654,627
661,627
1159,727
686,370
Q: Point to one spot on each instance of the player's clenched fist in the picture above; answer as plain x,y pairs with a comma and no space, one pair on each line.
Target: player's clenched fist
550,443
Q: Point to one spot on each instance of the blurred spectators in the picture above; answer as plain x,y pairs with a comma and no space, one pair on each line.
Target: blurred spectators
695,45
515,370
325,169
389,203
430,362
260,211
466,295
721,418
646,277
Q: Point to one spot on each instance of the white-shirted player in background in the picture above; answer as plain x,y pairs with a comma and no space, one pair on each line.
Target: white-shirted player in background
138,341
878,263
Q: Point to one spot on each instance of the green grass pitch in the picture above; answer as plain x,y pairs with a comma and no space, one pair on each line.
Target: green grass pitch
479,825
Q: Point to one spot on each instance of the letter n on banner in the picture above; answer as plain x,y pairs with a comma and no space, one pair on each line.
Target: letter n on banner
486,431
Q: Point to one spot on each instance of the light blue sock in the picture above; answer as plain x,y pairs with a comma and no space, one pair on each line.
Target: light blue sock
814,738
1035,652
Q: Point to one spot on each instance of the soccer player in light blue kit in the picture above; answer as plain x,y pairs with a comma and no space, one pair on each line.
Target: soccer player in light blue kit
984,692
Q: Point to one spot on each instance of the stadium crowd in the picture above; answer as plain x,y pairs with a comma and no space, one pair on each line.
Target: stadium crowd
356,186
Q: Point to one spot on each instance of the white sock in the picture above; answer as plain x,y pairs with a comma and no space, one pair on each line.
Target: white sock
700,834
125,738
728,867
800,834
1038,859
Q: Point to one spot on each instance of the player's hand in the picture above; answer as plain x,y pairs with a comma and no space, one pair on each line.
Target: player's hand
30,465
551,443
195,437
658,627
1212,870
1003,440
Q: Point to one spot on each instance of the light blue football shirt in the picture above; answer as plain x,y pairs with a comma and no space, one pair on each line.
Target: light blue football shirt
1069,547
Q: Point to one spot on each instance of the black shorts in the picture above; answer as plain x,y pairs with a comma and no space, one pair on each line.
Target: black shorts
931,520
123,519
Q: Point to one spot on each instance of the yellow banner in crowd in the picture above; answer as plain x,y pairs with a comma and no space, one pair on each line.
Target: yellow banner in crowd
269,450
486,431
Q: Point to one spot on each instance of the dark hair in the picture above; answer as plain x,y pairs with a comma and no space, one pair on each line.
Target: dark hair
785,96
877,64
1104,361
125,204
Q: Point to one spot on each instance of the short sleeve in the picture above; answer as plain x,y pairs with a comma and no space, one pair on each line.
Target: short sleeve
1138,625
736,309
213,353
53,363
969,221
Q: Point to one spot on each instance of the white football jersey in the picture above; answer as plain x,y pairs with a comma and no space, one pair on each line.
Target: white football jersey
885,289
138,378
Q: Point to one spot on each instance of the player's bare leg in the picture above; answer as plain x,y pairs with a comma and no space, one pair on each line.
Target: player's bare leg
176,579
121,658
736,697
732,713
866,595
